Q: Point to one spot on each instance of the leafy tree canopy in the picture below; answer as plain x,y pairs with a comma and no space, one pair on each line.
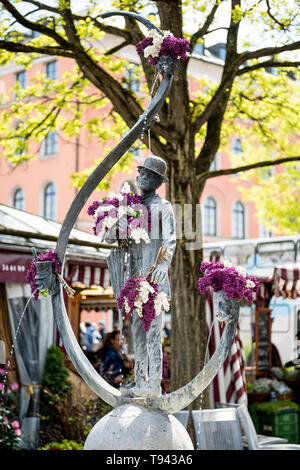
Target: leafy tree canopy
259,106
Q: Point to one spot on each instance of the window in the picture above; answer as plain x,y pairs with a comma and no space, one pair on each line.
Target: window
271,70
213,165
222,52
264,232
50,201
21,78
20,141
216,164
199,48
35,34
19,199
51,143
131,78
210,216
237,146
238,220
51,70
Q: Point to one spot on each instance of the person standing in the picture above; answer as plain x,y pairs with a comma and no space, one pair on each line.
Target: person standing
113,364
101,329
94,340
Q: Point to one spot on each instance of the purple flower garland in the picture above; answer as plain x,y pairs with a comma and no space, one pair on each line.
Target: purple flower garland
235,283
130,292
130,199
177,48
31,272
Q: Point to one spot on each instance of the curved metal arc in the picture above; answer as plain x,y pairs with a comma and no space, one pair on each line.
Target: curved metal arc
108,393
182,397
106,165
89,374
133,15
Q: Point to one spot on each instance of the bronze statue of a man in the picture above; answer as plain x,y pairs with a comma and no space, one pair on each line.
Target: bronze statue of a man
141,256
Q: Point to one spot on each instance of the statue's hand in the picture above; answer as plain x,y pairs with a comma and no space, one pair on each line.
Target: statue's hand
159,274
46,280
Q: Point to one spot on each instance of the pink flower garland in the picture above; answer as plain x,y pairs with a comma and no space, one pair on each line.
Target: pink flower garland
177,48
109,207
235,282
129,294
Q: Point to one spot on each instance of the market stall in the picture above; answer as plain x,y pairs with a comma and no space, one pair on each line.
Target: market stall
85,264
274,395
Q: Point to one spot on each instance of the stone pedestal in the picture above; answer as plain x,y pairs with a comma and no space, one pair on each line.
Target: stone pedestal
136,427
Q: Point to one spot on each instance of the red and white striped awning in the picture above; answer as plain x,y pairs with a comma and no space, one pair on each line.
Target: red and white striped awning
86,273
287,280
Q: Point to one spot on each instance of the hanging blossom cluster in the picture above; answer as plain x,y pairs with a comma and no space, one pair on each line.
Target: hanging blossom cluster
31,272
234,281
155,45
111,209
142,295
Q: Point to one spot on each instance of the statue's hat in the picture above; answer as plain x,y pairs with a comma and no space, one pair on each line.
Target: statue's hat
156,164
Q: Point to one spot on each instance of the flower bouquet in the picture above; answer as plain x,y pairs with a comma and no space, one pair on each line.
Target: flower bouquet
142,295
111,209
234,281
56,269
156,45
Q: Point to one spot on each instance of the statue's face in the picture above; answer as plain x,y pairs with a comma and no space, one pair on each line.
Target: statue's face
147,180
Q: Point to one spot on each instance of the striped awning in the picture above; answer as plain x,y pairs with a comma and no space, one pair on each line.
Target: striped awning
86,273
287,280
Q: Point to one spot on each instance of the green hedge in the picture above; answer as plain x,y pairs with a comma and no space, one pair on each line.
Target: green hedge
64,445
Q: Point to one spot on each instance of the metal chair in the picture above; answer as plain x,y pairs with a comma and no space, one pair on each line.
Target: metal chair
246,421
217,429
264,442
182,416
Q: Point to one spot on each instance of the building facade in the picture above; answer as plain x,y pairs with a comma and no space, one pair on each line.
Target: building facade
42,186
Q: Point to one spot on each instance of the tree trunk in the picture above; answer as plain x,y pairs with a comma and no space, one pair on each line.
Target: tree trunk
188,337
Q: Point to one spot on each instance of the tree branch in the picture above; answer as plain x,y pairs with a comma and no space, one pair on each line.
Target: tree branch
69,26
47,50
109,29
276,21
267,63
230,171
204,29
268,51
233,71
117,48
122,100
42,6
41,28
217,106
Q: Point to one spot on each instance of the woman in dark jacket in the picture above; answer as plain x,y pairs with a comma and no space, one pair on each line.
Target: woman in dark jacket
112,367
